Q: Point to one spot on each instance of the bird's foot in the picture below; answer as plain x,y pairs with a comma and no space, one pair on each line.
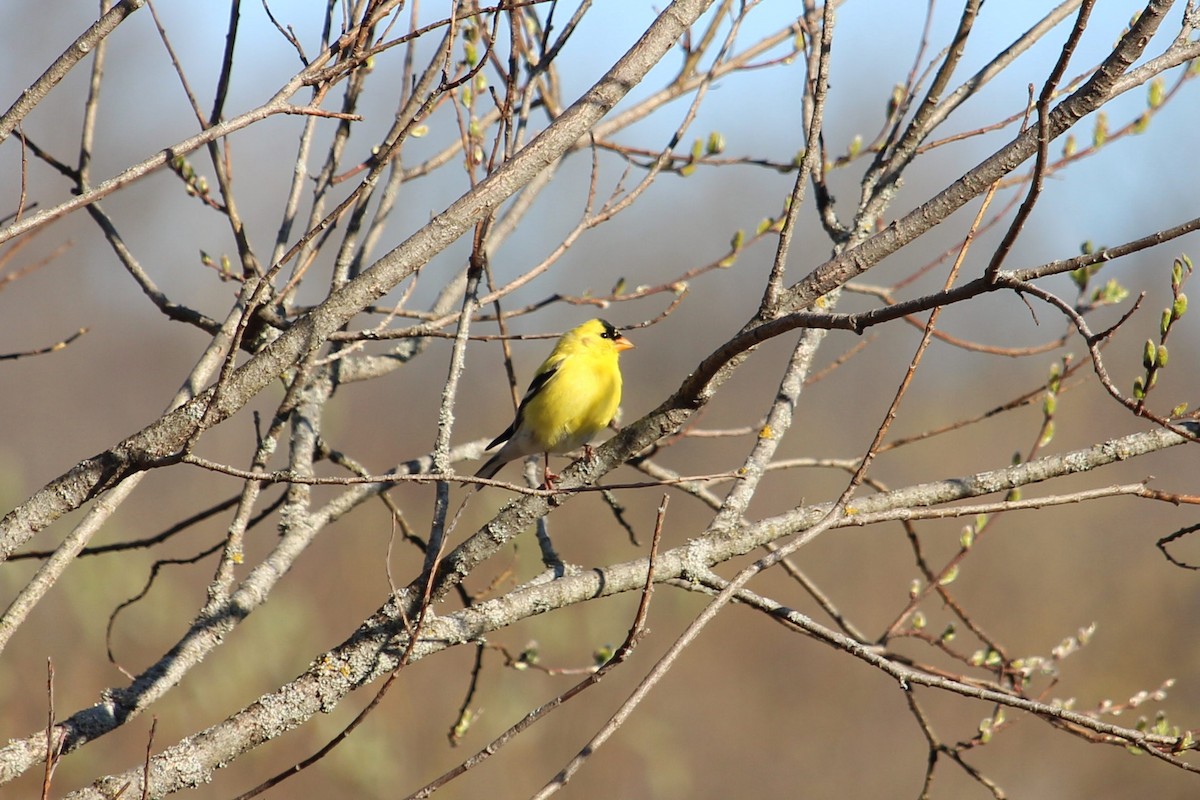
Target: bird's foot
548,477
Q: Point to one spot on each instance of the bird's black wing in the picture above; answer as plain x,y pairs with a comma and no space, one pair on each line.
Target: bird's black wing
535,386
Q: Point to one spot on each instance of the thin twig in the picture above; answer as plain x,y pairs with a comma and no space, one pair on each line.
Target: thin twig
41,351
52,750
146,763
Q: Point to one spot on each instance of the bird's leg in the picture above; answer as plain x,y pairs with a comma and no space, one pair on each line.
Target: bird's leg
588,452
549,476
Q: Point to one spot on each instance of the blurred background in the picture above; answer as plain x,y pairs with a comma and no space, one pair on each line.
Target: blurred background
748,710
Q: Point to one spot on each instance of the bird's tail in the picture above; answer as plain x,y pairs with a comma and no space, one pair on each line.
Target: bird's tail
492,466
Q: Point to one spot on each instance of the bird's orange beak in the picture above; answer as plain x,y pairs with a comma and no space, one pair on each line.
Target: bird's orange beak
623,344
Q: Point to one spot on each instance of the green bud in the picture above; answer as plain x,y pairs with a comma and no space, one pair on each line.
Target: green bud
603,655
1047,434
1050,404
949,577
1113,292
1179,307
1148,354
1100,133
1055,383
1160,357
738,240
715,144
1158,92
463,724
967,537
1139,388
1069,146
1164,325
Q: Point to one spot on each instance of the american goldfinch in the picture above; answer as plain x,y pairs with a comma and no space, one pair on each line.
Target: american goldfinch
573,396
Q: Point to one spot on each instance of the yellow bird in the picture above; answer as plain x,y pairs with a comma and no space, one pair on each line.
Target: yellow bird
573,396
